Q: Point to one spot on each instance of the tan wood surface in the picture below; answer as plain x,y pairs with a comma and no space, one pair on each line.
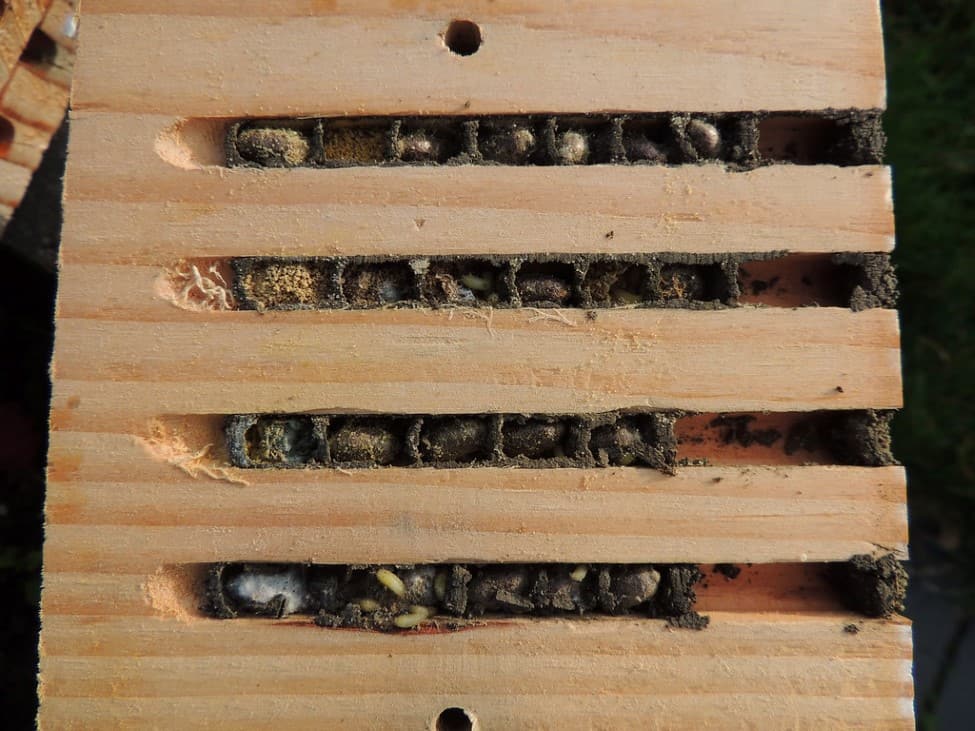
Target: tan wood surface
103,506
141,495
387,57
421,361
752,670
33,92
17,22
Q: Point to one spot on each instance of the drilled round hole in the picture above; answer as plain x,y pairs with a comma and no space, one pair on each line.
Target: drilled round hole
6,136
455,719
463,37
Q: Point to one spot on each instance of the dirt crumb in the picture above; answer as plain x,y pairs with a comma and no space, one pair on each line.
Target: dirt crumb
875,587
728,570
689,620
735,429
863,438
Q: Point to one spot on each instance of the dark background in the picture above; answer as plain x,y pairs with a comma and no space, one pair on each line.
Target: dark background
931,126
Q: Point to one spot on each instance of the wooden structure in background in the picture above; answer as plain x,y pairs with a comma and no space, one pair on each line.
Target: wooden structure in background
37,49
140,491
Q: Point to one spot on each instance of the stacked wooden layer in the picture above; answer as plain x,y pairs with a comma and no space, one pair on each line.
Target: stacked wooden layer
37,49
141,489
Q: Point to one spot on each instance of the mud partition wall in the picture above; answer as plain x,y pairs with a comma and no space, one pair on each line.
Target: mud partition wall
422,366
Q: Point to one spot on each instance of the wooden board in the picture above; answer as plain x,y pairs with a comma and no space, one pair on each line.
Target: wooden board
751,670
37,49
141,494
386,57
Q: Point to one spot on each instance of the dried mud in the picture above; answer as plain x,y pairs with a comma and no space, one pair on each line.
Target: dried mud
741,141
390,598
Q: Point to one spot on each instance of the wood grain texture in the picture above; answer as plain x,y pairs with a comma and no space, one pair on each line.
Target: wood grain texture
140,492
346,58
103,505
516,361
33,91
749,670
17,22
148,189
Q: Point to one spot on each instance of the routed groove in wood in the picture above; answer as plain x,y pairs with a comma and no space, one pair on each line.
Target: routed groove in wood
825,437
741,140
859,281
536,440
403,597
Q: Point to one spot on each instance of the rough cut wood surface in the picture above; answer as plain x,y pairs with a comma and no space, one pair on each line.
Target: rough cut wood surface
140,492
386,57
33,90
746,671
513,360
159,190
103,507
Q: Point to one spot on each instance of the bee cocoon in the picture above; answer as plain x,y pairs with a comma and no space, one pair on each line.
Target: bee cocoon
705,137
281,593
392,582
572,148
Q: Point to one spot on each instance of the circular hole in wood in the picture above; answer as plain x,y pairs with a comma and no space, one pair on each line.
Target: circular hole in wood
6,136
463,37
455,719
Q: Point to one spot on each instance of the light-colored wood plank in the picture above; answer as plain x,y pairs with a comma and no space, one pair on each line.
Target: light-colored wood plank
34,100
345,58
61,23
753,669
141,193
13,182
99,508
136,505
423,361
17,22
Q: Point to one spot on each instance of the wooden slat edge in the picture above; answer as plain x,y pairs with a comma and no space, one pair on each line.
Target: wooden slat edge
515,361
134,195
346,59
99,516
800,671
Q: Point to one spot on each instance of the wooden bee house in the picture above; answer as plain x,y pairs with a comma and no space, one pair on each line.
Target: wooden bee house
476,365
37,46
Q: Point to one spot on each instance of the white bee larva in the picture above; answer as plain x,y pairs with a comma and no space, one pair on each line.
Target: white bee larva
412,618
440,586
391,581
579,572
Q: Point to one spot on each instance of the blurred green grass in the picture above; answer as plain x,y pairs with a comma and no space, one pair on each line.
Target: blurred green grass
931,129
